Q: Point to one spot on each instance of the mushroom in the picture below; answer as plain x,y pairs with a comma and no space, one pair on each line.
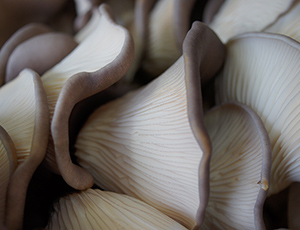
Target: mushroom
287,24
168,24
100,60
236,17
151,143
38,54
96,209
262,70
17,38
25,117
239,168
8,164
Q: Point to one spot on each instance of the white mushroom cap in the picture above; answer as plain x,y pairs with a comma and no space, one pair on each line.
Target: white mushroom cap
239,169
263,71
288,24
96,209
236,17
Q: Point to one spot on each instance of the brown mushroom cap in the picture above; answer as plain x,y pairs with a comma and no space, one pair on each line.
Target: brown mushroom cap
151,143
108,53
39,53
239,169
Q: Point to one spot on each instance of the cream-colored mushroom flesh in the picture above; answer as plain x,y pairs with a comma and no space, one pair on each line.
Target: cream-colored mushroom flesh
96,209
8,163
142,145
263,71
239,169
97,50
288,24
236,17
18,111
161,49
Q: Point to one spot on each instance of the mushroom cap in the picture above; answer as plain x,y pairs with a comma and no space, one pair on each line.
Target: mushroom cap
151,143
262,71
287,24
100,60
236,17
239,168
8,164
98,209
38,54
25,116
17,38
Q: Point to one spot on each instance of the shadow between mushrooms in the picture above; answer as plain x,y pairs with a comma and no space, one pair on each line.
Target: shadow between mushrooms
239,168
152,143
263,71
101,59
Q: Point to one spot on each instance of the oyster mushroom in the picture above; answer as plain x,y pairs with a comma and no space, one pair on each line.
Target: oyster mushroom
100,60
17,38
24,115
151,143
98,209
287,24
8,164
262,71
235,17
239,168
168,24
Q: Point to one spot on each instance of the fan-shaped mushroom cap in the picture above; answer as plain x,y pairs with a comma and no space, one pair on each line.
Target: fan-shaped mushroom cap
96,209
168,25
288,24
151,143
235,17
39,53
8,164
239,169
100,60
17,38
262,70
24,115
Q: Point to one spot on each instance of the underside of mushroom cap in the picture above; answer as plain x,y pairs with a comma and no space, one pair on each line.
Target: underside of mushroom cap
25,116
100,60
152,143
239,168
8,164
235,17
262,71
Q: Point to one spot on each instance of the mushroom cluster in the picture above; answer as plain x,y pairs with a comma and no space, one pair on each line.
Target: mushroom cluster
144,114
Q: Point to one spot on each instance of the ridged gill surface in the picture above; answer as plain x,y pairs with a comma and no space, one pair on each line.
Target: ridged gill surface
142,145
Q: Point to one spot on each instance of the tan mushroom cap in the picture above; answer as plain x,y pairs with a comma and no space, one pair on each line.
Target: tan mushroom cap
263,71
25,116
17,38
96,209
8,164
239,169
151,143
288,24
236,17
100,60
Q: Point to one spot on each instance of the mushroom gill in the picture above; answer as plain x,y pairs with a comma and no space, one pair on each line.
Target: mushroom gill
8,164
100,60
151,143
239,168
24,115
263,71
96,209
236,17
